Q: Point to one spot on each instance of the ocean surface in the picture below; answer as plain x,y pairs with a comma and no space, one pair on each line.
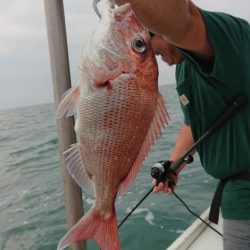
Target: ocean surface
32,215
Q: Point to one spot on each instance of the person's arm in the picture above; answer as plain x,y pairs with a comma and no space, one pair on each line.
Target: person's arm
183,144
178,21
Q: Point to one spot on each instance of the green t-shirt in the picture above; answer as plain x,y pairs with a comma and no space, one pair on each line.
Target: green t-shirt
206,93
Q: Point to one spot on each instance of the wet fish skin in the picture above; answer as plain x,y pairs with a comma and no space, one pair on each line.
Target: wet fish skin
120,114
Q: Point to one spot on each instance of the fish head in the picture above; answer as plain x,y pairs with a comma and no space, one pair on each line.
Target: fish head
120,48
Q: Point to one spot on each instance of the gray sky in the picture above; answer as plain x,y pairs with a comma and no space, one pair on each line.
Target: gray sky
24,61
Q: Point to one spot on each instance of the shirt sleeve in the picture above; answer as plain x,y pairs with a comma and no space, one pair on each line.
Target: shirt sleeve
226,33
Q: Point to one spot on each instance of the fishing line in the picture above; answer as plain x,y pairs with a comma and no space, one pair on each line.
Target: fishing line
137,205
178,197
194,214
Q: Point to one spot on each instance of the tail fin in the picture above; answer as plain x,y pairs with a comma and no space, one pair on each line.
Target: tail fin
93,225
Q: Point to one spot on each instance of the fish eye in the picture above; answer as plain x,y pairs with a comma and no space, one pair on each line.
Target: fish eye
139,45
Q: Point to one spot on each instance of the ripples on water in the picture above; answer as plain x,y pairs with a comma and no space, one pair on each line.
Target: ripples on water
31,198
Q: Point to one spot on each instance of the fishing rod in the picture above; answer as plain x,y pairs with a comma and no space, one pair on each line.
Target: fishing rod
162,169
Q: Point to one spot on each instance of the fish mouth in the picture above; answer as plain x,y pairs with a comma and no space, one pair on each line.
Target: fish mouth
123,9
123,12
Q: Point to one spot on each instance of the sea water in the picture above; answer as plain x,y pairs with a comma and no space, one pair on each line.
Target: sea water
32,215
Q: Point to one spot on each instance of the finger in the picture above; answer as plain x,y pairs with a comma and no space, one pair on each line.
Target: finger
168,190
161,186
155,190
154,182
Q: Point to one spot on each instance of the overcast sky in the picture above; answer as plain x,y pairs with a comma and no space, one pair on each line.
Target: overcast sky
24,61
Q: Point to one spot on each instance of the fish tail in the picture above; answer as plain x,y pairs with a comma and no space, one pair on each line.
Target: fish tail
102,228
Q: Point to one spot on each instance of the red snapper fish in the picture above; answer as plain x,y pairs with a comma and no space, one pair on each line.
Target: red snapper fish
120,114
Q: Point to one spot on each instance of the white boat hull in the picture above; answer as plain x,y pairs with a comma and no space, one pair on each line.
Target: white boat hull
199,236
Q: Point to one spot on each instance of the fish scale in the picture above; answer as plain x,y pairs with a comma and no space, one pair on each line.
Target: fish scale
120,115
118,139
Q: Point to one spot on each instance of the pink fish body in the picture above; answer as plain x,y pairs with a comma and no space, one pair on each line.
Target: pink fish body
120,114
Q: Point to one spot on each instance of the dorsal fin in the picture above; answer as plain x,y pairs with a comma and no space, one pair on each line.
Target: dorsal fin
159,122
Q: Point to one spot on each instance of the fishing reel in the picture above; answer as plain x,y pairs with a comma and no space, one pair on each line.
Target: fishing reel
162,169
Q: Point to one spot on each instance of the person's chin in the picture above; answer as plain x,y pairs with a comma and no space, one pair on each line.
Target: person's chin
167,60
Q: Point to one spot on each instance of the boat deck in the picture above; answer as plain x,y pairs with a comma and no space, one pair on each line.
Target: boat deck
199,236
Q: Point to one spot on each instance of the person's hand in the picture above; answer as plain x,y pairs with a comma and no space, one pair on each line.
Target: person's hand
165,187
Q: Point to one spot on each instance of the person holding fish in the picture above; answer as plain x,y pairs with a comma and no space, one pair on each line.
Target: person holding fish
120,112
211,53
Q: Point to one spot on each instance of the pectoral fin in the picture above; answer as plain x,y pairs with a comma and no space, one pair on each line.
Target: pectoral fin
68,104
103,77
